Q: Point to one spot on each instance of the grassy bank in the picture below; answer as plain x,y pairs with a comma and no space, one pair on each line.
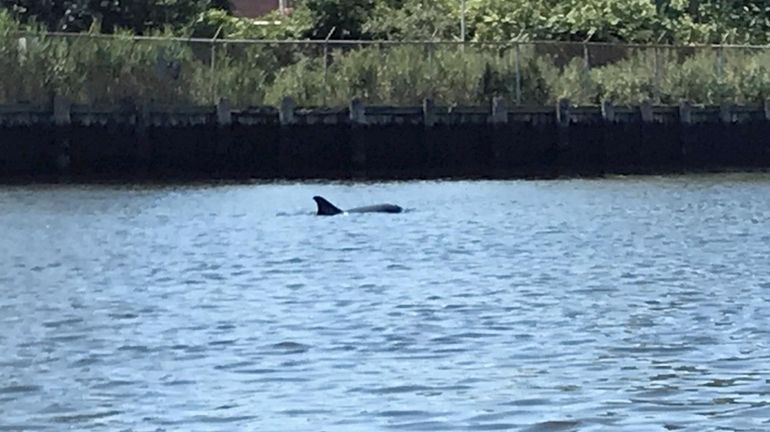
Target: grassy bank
121,69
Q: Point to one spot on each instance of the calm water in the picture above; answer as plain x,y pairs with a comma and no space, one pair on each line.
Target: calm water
619,304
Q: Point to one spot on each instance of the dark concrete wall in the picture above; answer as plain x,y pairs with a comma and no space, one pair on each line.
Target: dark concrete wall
329,144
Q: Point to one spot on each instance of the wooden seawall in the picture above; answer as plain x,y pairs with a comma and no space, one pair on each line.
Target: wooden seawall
217,142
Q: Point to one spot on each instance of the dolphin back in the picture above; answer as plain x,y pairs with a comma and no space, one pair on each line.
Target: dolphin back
325,208
379,208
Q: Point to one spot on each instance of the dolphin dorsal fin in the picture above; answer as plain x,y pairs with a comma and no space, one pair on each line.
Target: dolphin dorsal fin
325,208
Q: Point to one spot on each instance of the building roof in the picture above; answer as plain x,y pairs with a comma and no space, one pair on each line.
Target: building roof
253,8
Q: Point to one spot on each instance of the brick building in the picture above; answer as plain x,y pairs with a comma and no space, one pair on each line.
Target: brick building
256,8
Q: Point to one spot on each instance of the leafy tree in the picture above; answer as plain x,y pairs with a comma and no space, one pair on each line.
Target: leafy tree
342,19
734,21
672,21
207,24
606,20
510,19
224,5
49,13
415,20
109,15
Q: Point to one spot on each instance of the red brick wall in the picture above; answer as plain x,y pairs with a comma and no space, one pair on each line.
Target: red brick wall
253,8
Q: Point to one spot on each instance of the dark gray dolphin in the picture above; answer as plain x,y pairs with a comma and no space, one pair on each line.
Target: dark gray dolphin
325,208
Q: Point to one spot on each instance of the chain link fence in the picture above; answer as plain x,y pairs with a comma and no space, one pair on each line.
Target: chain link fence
98,69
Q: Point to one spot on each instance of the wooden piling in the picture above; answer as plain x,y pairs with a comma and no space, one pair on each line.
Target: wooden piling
224,113
685,112
608,111
62,111
563,112
286,111
357,111
726,112
428,113
646,112
62,117
224,130
686,138
499,111
358,136
767,109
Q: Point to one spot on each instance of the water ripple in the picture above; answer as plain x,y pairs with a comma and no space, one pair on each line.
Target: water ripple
614,304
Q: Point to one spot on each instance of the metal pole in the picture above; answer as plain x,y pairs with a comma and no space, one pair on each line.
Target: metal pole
213,72
282,6
326,52
518,73
214,78
720,63
462,20
326,62
656,84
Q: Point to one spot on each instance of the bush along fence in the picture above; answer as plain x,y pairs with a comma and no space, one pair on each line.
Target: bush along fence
102,69
495,140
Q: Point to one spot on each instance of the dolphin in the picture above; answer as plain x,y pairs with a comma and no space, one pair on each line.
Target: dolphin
325,208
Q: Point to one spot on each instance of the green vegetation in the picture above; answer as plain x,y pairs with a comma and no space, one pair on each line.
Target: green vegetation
137,16
97,69
668,21
642,21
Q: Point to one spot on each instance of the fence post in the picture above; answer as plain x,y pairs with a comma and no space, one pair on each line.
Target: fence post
213,71
431,54
462,21
720,63
326,61
518,73
656,83
326,52
214,78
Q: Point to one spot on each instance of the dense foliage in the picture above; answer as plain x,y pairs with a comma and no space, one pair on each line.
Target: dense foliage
110,15
119,69
660,21
668,21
